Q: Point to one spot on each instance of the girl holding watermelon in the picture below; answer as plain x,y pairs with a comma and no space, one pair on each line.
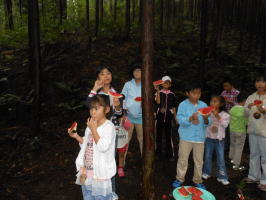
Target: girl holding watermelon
255,108
132,93
214,142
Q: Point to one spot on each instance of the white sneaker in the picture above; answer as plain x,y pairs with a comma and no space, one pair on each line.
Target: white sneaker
205,176
223,181
114,196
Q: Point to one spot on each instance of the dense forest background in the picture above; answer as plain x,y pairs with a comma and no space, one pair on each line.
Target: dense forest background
205,40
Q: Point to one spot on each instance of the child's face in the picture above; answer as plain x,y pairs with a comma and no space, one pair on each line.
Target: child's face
260,86
137,74
194,95
215,102
167,84
99,112
242,103
227,86
106,76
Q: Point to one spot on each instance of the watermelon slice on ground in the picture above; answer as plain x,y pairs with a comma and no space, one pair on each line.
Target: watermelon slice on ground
159,82
73,128
194,191
138,99
182,191
257,102
205,111
114,94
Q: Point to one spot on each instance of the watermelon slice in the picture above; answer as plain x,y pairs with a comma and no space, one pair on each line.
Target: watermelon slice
73,128
159,82
196,198
205,111
114,94
138,99
257,102
194,191
182,191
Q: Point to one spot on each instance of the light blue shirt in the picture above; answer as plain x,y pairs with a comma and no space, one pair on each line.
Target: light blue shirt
187,131
131,90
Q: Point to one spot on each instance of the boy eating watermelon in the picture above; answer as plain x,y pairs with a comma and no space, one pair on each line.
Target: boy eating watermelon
192,131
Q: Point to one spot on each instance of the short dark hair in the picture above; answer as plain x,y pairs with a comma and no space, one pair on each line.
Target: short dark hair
99,99
228,80
241,97
260,77
101,68
192,86
134,67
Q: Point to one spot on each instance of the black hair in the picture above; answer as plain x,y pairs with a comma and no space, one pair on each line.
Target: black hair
102,67
260,77
133,68
228,80
99,99
241,97
192,86
222,102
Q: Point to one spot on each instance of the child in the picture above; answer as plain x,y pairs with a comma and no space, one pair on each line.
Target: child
238,130
257,134
165,100
230,94
215,140
103,85
192,132
96,163
131,90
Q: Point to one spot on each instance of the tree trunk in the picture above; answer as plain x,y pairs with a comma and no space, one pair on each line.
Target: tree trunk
140,13
87,15
63,10
127,18
101,11
97,6
203,37
147,185
9,14
115,10
35,60
133,10
161,16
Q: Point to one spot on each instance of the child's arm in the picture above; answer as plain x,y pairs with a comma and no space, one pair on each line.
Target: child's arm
76,136
157,95
224,120
182,118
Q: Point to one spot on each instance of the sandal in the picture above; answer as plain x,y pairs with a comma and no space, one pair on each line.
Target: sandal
248,180
262,187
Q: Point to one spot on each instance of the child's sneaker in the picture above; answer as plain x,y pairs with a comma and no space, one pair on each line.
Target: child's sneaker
121,172
223,181
205,176
240,168
177,184
200,186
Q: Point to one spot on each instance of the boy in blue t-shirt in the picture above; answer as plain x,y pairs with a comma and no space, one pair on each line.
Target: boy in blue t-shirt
192,131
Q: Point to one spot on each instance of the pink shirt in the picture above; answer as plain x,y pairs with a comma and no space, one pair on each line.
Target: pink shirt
217,128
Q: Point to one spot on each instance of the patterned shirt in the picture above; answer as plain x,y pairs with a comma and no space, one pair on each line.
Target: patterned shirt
89,157
231,96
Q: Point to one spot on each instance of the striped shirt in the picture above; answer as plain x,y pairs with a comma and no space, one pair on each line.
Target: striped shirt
231,96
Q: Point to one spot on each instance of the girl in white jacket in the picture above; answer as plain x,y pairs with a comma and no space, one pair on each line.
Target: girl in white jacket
96,160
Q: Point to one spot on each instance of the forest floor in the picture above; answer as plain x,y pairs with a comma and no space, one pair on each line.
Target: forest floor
43,167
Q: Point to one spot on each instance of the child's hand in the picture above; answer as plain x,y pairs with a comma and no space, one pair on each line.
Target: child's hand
156,87
92,124
97,85
72,134
194,118
250,105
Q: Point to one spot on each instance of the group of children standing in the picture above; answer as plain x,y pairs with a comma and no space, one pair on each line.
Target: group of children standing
96,164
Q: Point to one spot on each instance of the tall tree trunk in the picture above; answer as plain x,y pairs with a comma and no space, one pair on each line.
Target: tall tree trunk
161,16
97,7
140,13
9,14
203,37
127,18
147,185
115,10
101,11
87,15
62,10
35,59
133,10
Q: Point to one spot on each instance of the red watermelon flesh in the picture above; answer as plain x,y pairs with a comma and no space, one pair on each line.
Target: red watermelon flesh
195,191
114,94
196,198
159,82
138,99
257,102
205,111
183,191
73,126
